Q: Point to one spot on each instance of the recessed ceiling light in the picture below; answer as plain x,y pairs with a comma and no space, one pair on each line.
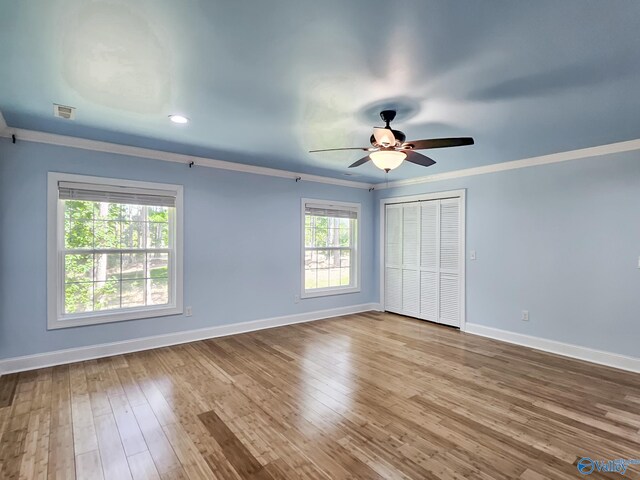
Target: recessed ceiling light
178,119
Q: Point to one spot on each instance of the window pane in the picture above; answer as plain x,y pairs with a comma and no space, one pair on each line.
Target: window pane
308,237
78,268
133,293
78,297
132,234
334,277
107,234
157,291
310,279
322,259
322,278
345,258
158,235
334,258
106,295
333,239
133,212
107,267
78,210
321,232
345,235
158,265
108,211
345,277
309,271
78,234
158,214
133,265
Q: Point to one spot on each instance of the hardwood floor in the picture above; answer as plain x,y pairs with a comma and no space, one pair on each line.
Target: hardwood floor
363,396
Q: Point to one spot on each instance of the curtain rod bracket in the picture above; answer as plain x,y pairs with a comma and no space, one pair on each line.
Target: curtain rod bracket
371,189
191,164
298,179
13,138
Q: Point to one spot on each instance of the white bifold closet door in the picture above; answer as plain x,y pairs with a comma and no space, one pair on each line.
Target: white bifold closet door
422,260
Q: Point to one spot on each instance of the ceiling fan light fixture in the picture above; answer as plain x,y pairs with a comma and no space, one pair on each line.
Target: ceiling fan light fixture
387,159
384,137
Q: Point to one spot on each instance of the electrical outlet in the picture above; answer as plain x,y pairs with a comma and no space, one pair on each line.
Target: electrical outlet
188,311
525,315
472,255
296,299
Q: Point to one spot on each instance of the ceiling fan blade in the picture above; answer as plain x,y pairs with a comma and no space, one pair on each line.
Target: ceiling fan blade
439,143
362,161
366,149
419,159
384,136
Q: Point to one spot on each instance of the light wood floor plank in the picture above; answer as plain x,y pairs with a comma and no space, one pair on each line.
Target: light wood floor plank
114,460
142,467
368,396
89,466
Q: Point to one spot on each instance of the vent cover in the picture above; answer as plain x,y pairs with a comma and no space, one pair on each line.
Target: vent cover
63,111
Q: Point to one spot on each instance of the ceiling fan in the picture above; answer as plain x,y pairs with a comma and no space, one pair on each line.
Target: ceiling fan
389,149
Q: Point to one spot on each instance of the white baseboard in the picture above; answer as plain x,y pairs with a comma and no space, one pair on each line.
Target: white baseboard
609,359
60,357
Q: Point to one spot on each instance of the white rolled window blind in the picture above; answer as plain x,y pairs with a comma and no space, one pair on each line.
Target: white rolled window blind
116,194
336,211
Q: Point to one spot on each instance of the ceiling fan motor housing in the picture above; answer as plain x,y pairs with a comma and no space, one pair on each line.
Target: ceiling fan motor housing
387,116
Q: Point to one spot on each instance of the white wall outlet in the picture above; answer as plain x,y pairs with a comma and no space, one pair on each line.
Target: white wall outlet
188,311
525,315
472,255
296,299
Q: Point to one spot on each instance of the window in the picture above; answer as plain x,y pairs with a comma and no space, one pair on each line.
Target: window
331,263
114,250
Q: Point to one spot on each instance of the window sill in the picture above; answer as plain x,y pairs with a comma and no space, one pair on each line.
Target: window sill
325,292
80,320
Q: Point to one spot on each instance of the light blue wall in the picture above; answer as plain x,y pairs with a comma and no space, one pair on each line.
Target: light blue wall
242,250
561,241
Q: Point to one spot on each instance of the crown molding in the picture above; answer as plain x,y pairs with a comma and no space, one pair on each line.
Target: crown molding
119,149
579,154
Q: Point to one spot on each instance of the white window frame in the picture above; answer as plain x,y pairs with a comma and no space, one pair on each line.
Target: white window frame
55,261
355,261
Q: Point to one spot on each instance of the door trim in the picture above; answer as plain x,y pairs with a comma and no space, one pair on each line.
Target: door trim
463,250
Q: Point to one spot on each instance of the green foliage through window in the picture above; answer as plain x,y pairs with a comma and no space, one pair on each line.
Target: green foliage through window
329,242
116,255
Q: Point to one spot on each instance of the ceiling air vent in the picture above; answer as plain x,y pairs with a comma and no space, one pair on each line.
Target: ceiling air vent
62,111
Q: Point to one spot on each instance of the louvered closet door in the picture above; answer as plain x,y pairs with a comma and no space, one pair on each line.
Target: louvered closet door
393,259
450,262
402,257
422,260
429,264
411,259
